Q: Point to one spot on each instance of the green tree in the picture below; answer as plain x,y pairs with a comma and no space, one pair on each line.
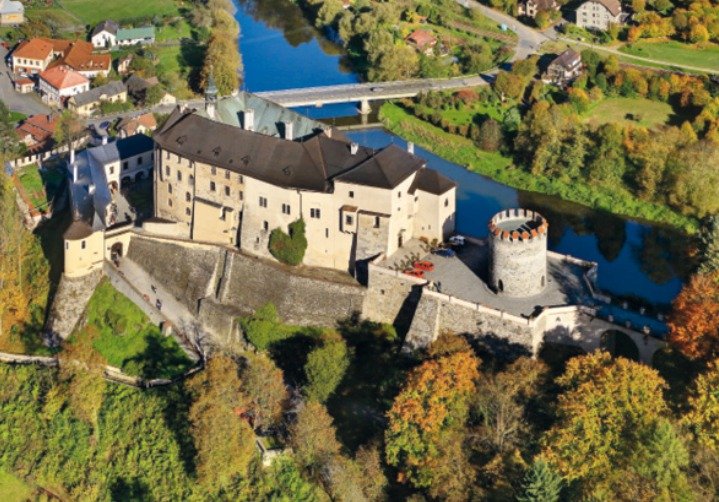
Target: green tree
313,438
709,239
326,366
69,128
540,484
289,248
9,144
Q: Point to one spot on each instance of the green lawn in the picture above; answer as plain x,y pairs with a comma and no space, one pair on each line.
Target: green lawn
172,33
126,338
618,110
674,52
31,182
462,151
17,116
93,11
13,489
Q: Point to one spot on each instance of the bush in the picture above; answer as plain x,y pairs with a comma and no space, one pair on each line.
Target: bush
263,328
289,249
326,366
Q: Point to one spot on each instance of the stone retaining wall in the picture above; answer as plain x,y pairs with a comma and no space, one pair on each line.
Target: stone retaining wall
70,301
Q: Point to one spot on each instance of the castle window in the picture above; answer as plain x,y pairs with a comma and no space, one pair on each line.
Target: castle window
167,170
399,194
285,209
125,166
82,244
112,169
187,196
188,211
315,213
241,179
191,180
265,225
169,188
327,233
179,175
446,202
212,186
263,201
242,195
139,161
349,220
352,194
500,285
227,190
169,202
376,221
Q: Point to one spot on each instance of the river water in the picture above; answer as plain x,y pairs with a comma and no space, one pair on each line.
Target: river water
280,50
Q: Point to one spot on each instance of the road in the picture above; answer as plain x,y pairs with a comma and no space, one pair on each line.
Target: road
367,91
27,104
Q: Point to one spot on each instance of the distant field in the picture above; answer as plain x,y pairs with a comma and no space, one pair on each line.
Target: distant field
94,11
13,489
616,109
677,53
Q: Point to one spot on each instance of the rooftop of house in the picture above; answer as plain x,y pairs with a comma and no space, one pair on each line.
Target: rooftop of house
545,4
108,26
11,7
121,149
136,33
93,95
131,124
422,38
63,77
613,6
567,59
36,48
40,127
312,160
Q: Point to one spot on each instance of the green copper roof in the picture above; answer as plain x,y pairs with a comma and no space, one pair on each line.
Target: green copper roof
136,33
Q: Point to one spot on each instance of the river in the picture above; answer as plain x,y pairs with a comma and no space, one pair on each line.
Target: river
281,50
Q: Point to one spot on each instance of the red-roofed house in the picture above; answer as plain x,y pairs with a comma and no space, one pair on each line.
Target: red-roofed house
36,132
423,40
24,85
32,56
60,82
143,124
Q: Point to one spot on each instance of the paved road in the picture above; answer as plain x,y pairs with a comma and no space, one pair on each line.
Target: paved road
529,39
28,104
370,91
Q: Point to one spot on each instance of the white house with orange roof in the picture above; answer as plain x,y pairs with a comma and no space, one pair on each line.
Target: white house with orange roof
60,82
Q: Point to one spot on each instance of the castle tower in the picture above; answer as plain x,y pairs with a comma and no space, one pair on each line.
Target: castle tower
211,93
518,253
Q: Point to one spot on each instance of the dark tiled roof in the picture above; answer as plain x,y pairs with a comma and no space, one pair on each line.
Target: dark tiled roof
567,59
93,95
78,229
612,6
430,181
307,165
108,26
134,145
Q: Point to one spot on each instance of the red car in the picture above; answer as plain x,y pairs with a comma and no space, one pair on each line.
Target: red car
423,265
415,273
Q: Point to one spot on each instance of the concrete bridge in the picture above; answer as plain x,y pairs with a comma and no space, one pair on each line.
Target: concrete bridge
363,93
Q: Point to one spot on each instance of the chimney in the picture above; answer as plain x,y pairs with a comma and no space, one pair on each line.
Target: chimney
74,173
72,155
91,189
249,119
104,139
289,130
353,148
410,147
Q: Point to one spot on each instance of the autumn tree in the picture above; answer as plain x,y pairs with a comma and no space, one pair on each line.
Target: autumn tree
223,440
68,129
694,320
264,386
313,437
702,419
612,432
9,144
430,408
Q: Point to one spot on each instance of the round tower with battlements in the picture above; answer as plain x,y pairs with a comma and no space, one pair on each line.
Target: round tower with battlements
518,253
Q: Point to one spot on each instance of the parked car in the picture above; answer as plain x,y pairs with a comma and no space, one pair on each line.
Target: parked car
423,265
457,240
445,253
415,273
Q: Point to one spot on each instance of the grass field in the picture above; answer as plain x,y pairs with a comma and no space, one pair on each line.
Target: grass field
126,338
93,11
462,151
617,110
13,489
31,182
674,52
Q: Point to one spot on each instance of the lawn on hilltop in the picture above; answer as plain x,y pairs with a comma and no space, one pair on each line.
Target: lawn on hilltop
127,339
673,52
94,11
645,112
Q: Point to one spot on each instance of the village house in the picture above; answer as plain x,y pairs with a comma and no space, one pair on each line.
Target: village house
422,40
96,177
599,14
39,54
564,68
142,124
108,35
12,13
87,103
37,131
137,88
24,85
58,83
243,166
531,8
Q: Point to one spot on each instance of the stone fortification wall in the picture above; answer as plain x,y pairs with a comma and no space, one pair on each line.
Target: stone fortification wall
70,301
301,296
391,296
185,270
518,253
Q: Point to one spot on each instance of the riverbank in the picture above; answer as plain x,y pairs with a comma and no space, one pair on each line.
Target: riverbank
500,168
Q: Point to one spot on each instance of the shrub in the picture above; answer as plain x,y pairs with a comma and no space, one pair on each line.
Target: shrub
326,366
289,249
263,328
